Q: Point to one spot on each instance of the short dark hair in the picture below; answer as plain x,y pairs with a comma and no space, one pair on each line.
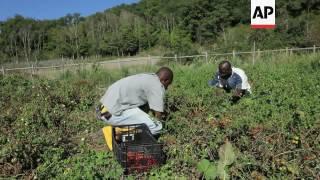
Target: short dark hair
225,62
165,70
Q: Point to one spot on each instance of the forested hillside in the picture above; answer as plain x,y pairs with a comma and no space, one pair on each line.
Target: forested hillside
158,27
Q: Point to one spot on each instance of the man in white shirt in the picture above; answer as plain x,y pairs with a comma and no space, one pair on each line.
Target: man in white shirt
121,102
231,78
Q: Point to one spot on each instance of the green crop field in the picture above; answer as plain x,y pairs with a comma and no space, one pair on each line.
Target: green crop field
49,130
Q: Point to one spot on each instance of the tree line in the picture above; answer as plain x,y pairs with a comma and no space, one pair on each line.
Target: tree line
163,27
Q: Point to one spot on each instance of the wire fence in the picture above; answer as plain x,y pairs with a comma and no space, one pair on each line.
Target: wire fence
153,60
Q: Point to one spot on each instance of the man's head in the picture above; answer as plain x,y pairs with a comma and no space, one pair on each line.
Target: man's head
165,75
225,69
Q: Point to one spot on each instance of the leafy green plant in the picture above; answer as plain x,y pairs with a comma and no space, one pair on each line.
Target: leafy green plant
220,168
88,165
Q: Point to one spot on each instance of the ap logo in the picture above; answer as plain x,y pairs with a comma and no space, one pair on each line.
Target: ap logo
263,14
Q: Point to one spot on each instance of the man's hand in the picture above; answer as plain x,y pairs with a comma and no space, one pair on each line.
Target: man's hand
234,99
157,115
238,93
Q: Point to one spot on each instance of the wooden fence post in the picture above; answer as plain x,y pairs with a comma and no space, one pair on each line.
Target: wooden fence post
3,70
206,54
175,58
287,51
32,69
35,69
253,53
62,66
119,64
150,60
233,54
314,49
